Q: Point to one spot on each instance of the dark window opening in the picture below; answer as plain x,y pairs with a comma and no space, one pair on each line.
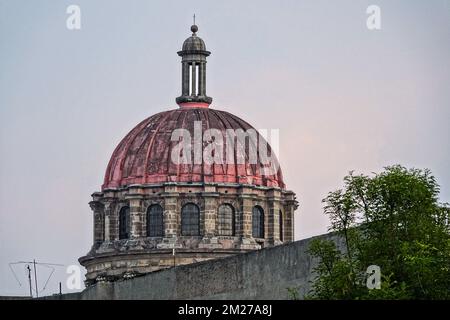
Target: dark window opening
190,220
155,221
124,223
258,222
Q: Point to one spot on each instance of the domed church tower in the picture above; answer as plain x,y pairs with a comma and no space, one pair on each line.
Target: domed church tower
187,185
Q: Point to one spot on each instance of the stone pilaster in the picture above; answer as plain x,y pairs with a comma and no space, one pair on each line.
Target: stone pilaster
273,228
110,222
136,217
247,207
210,197
288,224
171,211
290,206
171,220
210,213
171,217
210,217
245,225
99,221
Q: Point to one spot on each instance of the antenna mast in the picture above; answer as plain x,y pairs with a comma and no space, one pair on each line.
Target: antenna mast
35,279
29,279
28,263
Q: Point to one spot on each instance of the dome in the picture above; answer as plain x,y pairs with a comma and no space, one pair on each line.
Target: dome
194,43
144,155
196,179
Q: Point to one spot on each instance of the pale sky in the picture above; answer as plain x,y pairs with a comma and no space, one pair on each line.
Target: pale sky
344,98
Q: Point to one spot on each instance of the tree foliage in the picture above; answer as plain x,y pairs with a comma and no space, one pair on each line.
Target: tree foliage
393,220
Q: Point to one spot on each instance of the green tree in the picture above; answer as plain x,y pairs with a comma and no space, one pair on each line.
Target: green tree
394,220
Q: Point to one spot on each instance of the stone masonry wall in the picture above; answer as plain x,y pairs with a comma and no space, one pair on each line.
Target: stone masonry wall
263,274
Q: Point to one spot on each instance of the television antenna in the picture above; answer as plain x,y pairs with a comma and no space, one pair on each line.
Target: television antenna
34,263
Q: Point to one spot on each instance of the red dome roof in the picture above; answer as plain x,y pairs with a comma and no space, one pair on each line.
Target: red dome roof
144,155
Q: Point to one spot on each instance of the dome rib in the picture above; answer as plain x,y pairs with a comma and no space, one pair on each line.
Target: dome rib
223,119
150,146
199,118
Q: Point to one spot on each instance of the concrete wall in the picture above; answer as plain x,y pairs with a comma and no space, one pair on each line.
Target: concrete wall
263,274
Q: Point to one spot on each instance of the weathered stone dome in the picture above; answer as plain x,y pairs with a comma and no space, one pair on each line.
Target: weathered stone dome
187,185
194,43
144,155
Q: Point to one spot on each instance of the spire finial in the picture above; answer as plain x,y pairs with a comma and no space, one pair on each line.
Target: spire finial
194,27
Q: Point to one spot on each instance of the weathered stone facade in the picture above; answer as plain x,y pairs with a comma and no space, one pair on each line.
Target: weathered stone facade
112,258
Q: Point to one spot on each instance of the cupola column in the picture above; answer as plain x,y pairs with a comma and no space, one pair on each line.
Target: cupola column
185,79
193,80
202,79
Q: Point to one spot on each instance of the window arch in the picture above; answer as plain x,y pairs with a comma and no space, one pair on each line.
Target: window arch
190,220
258,222
280,222
226,220
155,221
124,223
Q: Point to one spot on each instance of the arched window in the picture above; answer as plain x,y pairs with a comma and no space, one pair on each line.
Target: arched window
226,220
155,222
124,223
190,220
258,222
280,221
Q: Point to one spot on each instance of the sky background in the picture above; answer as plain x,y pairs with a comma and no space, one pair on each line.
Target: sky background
344,98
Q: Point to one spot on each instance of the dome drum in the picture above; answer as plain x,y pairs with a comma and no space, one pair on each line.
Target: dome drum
214,237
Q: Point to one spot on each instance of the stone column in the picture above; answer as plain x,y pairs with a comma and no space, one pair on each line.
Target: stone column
185,78
202,79
194,81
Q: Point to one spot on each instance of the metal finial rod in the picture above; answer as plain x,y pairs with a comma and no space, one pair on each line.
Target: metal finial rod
194,18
